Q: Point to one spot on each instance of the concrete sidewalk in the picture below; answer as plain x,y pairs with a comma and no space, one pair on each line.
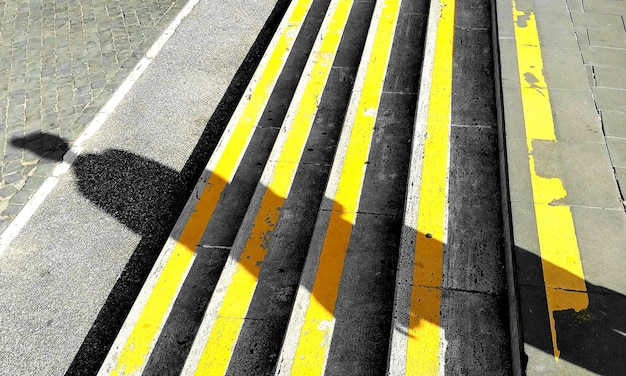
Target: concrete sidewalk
564,101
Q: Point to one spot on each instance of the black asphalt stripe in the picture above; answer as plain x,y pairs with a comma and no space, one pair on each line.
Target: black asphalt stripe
474,258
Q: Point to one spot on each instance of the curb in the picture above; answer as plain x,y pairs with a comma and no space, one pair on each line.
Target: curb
515,322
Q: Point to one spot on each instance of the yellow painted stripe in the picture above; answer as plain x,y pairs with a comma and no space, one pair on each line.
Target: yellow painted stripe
314,340
424,322
218,349
562,268
142,337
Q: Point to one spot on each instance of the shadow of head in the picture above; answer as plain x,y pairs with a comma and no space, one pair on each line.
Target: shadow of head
141,193
48,146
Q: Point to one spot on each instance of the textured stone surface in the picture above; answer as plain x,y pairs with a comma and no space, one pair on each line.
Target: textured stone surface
601,33
60,61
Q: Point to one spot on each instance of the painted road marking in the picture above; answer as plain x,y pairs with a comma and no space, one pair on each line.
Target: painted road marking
131,349
416,338
218,333
310,329
560,256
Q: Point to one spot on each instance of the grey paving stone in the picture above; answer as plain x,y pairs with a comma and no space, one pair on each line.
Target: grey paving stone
12,167
7,191
12,211
584,170
606,38
28,170
610,77
614,123
12,178
3,225
582,35
509,68
575,5
611,22
575,116
591,76
606,227
525,233
33,183
30,157
610,99
564,68
588,176
546,7
617,149
554,32
44,170
21,197
513,112
605,6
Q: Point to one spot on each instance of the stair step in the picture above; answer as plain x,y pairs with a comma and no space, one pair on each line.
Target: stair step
328,234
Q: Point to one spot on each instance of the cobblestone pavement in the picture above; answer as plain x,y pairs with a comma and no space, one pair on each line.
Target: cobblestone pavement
60,61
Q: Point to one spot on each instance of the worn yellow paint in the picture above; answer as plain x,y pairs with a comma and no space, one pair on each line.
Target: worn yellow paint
315,337
218,349
424,321
137,347
562,268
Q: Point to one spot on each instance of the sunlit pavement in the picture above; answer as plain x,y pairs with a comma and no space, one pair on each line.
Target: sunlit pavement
564,151
337,187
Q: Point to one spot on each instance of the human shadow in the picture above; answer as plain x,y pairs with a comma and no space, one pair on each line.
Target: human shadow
593,338
147,197
140,193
